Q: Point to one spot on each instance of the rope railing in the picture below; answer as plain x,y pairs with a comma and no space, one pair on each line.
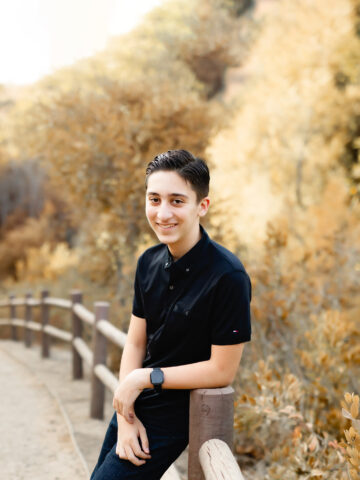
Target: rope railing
211,410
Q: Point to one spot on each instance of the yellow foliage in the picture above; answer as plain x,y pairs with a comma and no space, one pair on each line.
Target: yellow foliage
292,123
352,435
46,262
275,432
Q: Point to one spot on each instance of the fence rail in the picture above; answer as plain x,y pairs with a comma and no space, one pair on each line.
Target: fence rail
217,461
211,410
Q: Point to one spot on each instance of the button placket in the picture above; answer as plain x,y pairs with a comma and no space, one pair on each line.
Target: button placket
176,294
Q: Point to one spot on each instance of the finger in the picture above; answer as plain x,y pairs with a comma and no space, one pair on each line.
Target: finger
144,439
131,457
118,406
121,453
135,445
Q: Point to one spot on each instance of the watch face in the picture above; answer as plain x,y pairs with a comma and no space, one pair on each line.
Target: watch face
156,377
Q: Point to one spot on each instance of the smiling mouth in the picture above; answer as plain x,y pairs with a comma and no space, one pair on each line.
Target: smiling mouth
166,227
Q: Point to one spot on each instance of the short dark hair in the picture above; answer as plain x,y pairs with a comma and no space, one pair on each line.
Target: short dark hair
192,169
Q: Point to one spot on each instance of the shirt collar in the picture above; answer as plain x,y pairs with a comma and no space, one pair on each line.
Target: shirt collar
193,258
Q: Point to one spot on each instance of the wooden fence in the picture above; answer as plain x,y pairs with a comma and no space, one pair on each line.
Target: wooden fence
211,410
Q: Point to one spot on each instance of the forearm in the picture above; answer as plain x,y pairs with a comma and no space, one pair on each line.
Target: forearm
206,374
218,371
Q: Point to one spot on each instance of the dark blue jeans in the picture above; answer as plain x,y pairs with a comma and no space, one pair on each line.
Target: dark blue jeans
166,441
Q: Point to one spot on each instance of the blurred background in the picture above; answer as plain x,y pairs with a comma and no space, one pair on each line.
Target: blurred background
268,92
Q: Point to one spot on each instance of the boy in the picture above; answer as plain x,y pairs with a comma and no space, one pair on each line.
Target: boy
189,323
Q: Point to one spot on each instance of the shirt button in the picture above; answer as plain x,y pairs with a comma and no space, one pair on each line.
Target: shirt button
188,269
171,287
187,312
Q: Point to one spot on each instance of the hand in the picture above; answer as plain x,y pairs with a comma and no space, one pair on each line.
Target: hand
128,446
126,393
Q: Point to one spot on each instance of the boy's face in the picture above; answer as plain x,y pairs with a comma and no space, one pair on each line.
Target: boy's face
172,209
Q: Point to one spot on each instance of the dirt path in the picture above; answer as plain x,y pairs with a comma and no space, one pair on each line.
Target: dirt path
40,399
35,441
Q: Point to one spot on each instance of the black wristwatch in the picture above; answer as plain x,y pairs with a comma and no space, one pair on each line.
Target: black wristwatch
157,379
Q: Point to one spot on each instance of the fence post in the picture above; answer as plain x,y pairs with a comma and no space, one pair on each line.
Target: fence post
12,317
77,329
45,338
211,416
99,350
28,317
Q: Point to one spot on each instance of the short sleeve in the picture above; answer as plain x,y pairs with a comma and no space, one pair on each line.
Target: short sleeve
230,313
138,304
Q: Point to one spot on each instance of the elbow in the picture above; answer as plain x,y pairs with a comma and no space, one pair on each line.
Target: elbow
225,377
230,378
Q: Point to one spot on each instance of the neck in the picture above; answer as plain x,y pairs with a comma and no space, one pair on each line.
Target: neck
177,251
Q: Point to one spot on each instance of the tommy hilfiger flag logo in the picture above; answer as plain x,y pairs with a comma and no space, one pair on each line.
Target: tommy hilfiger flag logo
235,331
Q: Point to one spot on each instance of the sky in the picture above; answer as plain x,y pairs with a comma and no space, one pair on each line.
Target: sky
39,36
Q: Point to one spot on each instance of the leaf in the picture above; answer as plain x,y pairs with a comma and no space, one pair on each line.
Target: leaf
346,414
354,409
317,473
289,409
313,444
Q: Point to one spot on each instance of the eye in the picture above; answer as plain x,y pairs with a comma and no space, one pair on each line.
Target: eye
177,201
153,200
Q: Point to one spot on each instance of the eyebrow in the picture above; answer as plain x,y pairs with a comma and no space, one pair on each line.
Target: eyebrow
170,195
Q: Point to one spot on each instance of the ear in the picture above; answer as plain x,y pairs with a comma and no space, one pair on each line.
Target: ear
204,206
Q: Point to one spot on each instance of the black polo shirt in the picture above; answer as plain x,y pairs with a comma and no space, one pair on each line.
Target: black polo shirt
203,298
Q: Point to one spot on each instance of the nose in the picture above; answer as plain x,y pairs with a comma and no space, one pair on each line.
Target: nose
164,212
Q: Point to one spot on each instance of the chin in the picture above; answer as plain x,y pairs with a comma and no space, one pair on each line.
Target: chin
166,238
